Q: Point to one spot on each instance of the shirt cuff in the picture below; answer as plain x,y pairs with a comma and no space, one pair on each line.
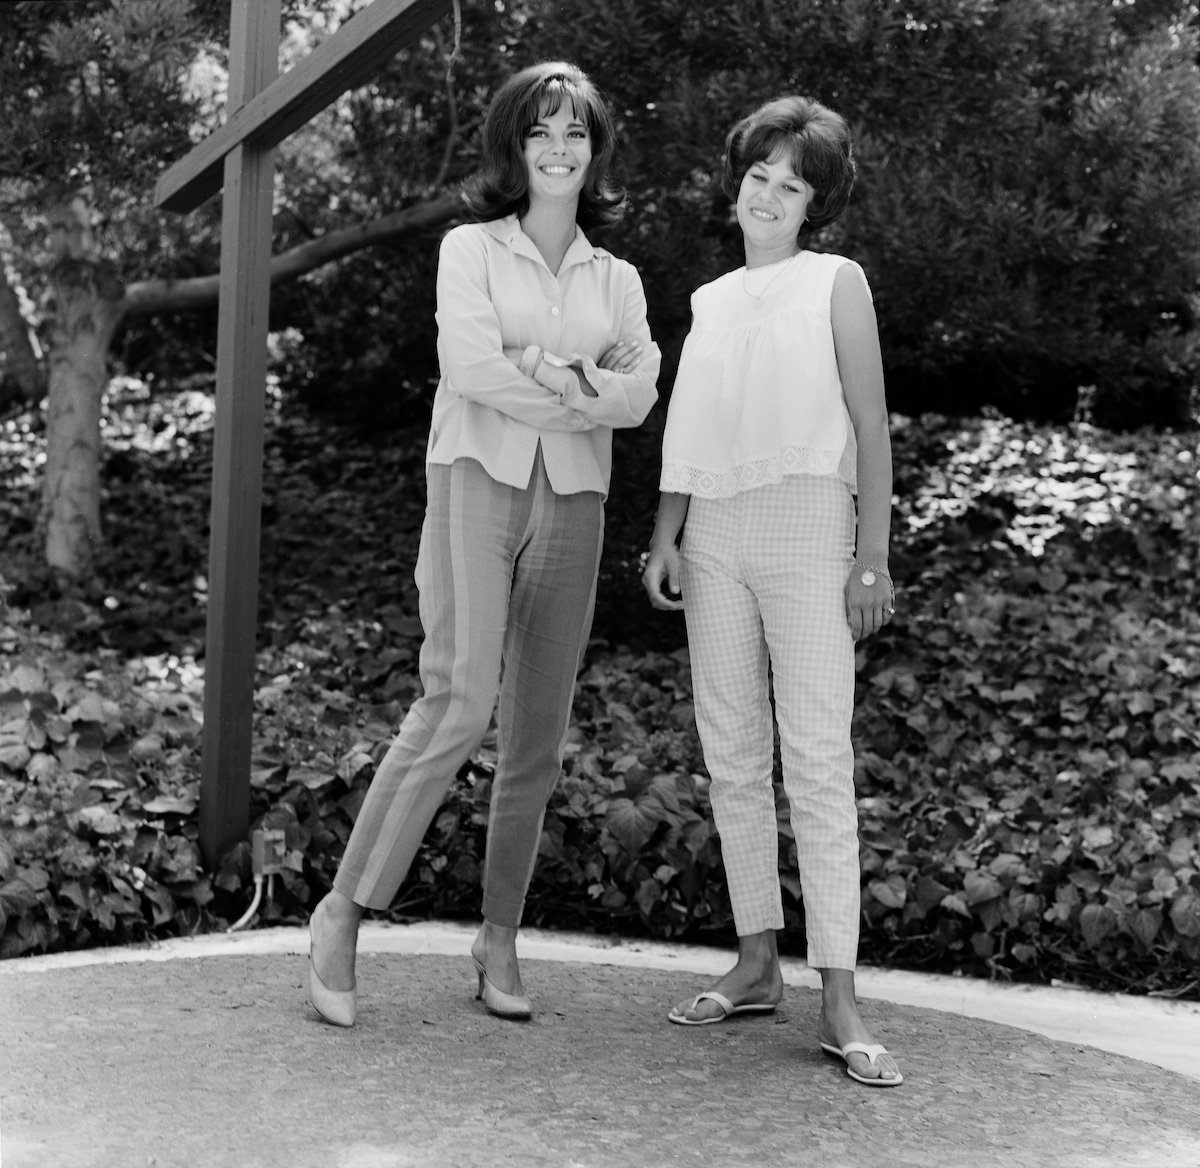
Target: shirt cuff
531,358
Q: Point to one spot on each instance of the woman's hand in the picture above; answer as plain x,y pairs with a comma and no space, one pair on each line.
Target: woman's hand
621,357
869,606
660,578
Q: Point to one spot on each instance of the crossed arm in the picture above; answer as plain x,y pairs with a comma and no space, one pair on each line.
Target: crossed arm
572,392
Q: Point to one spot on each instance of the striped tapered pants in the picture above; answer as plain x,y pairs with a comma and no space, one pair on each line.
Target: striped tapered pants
763,578
507,582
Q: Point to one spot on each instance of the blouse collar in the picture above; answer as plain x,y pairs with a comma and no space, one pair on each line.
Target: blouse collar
508,231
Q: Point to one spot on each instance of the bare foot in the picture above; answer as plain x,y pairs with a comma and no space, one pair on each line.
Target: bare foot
840,1024
742,986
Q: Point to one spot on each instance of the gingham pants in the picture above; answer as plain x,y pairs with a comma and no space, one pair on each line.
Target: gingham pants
507,581
763,578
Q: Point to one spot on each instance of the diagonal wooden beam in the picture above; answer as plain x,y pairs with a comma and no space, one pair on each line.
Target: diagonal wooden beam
347,60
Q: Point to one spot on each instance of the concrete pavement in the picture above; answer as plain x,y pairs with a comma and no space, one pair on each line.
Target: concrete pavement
205,1051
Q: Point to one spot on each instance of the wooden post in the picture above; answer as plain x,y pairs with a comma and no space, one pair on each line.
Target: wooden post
245,298
263,110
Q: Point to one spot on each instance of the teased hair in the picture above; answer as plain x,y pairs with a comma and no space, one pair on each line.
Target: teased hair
502,186
814,139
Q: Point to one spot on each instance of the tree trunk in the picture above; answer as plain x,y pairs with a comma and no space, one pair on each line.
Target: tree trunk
87,309
89,306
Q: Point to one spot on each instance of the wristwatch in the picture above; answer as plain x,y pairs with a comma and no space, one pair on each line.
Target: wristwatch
870,574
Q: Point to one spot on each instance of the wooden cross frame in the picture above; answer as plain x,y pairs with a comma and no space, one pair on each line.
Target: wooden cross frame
263,109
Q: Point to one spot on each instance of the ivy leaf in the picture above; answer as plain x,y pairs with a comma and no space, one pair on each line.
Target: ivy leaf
162,903
955,903
352,762
1185,914
313,780
1145,925
930,892
72,891
890,892
1140,702
696,836
631,824
1098,837
664,790
17,896
647,896
169,805
980,887
42,767
1026,906
90,708
14,755
1097,922
26,679
1007,867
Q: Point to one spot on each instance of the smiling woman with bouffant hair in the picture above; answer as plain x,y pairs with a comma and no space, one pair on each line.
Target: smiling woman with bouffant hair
544,349
814,139
772,535
502,185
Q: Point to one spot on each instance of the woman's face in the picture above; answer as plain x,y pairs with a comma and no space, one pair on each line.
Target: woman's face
772,203
558,150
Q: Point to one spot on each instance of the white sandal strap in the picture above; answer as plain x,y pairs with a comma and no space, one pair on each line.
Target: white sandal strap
713,996
872,1051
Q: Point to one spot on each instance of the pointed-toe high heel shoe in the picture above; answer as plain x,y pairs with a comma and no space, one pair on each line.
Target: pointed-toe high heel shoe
513,1006
337,1007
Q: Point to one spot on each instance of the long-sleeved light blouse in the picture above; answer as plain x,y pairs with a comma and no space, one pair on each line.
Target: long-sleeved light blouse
495,297
758,395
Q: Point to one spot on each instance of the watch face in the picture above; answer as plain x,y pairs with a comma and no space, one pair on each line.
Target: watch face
868,578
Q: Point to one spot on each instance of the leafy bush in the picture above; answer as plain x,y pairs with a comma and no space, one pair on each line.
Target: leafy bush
98,807
1025,207
1028,763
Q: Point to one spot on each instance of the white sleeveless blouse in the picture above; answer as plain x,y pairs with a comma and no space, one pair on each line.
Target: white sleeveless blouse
758,395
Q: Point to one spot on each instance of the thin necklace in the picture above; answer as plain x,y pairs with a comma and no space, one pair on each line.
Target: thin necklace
775,269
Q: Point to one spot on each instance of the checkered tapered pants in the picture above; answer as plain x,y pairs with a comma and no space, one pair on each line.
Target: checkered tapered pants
763,578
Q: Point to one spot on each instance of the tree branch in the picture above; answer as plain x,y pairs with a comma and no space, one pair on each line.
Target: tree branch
451,100
150,296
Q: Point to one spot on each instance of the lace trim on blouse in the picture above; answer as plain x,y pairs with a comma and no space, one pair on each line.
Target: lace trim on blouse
678,478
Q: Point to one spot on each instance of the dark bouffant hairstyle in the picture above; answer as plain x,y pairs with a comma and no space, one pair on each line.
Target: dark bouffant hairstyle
815,140
502,186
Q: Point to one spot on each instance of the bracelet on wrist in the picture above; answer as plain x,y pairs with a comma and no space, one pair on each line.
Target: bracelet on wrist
869,575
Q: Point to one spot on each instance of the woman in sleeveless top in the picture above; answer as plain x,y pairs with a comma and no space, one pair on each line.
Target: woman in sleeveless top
772,536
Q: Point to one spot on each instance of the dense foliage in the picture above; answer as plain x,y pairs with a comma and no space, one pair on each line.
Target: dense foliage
1028,757
1025,209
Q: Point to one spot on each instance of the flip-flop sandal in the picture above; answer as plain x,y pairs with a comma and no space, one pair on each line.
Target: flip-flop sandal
872,1051
728,1009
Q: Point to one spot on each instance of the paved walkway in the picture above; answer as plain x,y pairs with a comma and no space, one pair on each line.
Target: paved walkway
217,1060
